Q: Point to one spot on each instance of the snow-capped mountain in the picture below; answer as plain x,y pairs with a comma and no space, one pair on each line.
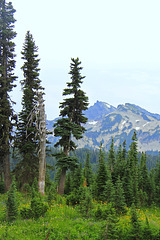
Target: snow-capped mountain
106,121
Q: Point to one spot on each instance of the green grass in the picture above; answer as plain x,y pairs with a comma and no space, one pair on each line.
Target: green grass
66,222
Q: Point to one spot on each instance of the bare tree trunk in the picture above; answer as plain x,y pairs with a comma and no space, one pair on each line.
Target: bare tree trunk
62,181
42,147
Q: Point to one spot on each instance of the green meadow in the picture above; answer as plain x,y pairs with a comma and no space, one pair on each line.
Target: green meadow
67,222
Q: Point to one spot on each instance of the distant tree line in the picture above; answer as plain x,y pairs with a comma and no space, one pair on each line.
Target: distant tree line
121,178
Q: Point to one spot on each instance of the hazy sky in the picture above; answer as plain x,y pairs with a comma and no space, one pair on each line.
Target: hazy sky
117,41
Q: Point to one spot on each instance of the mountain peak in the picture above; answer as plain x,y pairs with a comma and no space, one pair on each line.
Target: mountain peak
106,122
99,110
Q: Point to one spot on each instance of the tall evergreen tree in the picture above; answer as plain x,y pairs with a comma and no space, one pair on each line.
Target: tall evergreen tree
133,170
157,182
120,165
77,178
70,123
111,156
109,190
124,151
7,78
27,134
101,175
111,161
119,197
144,183
88,173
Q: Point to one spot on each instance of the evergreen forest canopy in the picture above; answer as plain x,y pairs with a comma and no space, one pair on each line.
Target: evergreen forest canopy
119,177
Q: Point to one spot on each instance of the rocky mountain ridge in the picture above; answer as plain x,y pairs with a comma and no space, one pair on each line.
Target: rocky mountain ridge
106,121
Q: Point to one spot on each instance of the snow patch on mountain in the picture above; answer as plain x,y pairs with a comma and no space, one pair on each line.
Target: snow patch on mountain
145,124
93,122
108,105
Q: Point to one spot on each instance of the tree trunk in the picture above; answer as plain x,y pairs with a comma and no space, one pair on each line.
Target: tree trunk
7,176
62,181
42,150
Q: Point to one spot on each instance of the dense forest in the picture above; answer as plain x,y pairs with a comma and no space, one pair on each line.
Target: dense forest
99,187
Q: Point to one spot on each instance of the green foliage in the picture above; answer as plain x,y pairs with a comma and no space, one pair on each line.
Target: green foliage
107,213
103,211
12,203
26,212
26,188
35,185
135,224
87,172
147,233
67,222
86,202
36,209
109,190
27,137
2,187
7,78
111,157
101,175
52,194
119,202
73,198
71,121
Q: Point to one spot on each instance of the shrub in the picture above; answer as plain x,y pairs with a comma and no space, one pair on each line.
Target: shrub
37,209
72,199
103,211
26,212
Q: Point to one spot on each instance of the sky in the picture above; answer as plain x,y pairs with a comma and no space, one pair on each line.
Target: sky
117,41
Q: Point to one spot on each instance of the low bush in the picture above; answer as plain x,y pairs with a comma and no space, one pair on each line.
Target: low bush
37,209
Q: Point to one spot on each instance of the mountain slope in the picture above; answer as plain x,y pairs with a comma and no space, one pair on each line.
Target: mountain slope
106,121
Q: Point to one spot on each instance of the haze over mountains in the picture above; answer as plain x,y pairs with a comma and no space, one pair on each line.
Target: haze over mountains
106,121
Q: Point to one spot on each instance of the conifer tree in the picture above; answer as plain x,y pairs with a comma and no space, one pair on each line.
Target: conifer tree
124,151
111,156
27,133
153,183
135,223
111,161
133,170
119,197
7,78
157,182
119,169
109,190
101,175
70,123
12,204
77,178
144,184
88,173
